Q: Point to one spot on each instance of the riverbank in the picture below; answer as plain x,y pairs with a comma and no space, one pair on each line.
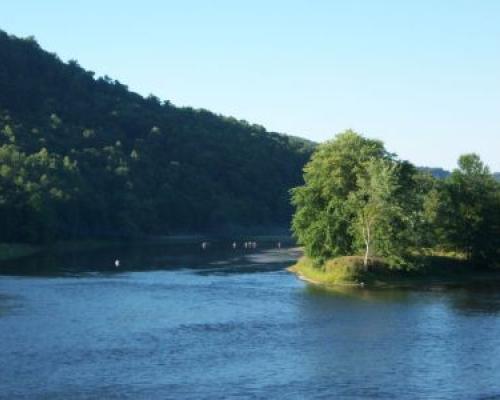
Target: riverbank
12,251
350,271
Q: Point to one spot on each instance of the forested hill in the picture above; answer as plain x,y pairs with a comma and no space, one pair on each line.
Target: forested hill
441,173
83,157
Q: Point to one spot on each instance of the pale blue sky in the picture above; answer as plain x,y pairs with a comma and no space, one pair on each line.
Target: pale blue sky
424,76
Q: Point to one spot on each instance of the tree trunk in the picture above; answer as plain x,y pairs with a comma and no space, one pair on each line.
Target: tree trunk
366,234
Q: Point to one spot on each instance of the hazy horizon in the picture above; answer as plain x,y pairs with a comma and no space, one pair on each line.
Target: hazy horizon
421,77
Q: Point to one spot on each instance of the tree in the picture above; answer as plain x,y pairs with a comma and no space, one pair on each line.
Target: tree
472,219
375,206
360,199
323,216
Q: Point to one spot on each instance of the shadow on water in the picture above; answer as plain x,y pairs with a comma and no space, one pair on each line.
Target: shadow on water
264,260
477,298
7,304
468,299
360,293
219,257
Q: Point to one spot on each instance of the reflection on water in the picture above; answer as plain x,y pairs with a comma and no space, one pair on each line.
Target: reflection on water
144,257
360,293
478,299
7,304
177,322
475,297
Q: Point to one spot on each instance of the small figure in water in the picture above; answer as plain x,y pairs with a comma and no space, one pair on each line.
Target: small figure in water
117,263
234,245
204,245
279,245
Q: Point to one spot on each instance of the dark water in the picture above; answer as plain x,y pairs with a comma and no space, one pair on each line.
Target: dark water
175,322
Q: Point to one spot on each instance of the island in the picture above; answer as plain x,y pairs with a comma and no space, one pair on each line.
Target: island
365,217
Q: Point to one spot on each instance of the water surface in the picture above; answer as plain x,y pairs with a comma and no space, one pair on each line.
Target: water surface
177,322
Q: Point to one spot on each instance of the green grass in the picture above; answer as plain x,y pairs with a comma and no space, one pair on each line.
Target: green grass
341,270
349,270
9,251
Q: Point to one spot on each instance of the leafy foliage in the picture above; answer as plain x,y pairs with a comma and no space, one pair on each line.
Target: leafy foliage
377,206
81,156
472,216
359,198
323,214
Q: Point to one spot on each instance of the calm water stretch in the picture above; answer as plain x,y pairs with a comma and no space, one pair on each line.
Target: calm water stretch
179,322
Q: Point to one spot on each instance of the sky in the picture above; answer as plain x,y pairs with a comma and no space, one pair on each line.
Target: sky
423,76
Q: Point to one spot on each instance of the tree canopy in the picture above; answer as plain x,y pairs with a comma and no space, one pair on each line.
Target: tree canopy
360,199
83,156
472,212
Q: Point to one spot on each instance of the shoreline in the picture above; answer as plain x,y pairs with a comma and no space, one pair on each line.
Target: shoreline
14,251
305,278
347,276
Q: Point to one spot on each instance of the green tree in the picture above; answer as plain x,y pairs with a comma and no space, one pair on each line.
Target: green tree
360,199
323,216
472,218
376,207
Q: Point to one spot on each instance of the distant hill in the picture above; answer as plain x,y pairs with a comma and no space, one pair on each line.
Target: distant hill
81,156
441,173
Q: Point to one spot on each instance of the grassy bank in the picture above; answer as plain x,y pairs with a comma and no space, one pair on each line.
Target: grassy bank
446,270
9,251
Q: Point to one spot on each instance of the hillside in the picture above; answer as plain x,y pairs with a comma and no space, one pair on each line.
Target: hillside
441,173
82,157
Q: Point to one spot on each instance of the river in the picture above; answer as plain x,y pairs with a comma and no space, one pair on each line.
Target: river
175,321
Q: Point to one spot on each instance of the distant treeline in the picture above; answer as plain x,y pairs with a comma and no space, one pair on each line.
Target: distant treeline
442,173
82,157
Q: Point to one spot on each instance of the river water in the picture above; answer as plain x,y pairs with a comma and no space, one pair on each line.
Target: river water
178,322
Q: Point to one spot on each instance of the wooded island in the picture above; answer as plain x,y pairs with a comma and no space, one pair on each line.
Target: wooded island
365,215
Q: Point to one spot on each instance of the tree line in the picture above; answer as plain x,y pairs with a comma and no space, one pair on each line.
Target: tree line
360,199
82,156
